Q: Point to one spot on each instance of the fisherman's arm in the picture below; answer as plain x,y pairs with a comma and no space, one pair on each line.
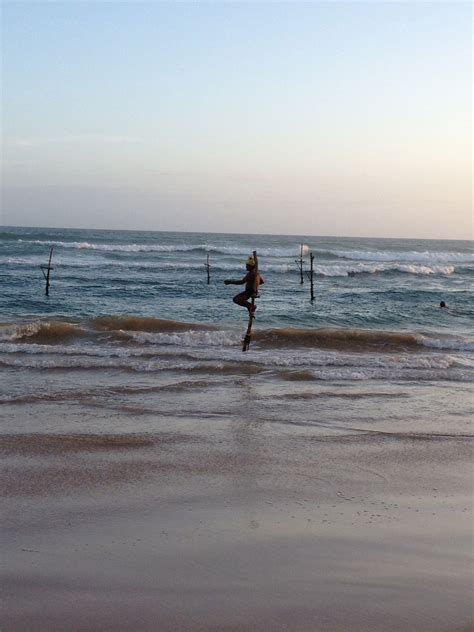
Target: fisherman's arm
233,282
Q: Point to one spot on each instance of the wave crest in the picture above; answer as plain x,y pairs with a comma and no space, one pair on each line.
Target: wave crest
412,256
343,339
40,331
149,331
145,324
381,268
240,250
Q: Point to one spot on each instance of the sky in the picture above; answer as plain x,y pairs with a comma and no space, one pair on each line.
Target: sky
317,118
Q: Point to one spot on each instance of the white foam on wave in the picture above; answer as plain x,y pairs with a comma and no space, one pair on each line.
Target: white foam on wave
408,256
376,268
446,343
84,245
391,374
202,349
145,365
103,262
186,338
240,250
356,361
321,269
74,350
21,261
202,346
426,369
58,261
15,332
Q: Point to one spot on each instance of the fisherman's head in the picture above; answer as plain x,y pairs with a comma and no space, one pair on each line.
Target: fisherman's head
250,263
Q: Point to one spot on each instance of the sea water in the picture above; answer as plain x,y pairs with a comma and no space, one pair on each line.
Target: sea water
131,314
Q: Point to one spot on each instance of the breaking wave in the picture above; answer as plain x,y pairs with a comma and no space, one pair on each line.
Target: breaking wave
243,250
427,257
413,256
358,340
146,331
145,324
367,268
289,368
150,345
40,332
347,339
322,270
85,245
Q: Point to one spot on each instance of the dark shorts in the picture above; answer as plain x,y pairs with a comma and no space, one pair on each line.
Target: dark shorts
246,294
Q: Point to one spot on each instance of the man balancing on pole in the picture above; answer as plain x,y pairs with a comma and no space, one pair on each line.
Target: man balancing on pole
249,280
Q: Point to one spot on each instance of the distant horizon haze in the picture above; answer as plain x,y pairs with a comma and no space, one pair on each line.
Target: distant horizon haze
233,234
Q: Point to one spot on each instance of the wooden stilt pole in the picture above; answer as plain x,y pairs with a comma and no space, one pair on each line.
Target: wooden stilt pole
48,269
311,273
248,333
207,265
300,263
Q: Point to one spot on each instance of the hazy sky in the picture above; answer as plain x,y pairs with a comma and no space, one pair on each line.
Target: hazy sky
322,118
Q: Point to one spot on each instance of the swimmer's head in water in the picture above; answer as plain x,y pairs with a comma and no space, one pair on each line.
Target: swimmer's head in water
442,304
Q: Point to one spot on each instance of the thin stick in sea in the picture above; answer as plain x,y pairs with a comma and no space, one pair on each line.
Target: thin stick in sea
300,263
48,269
207,265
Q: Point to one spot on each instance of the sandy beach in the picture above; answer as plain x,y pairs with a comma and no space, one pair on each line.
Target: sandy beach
233,526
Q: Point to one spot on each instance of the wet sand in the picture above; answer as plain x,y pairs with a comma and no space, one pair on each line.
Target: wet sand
231,526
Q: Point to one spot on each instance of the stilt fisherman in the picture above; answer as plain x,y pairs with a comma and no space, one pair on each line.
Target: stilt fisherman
251,281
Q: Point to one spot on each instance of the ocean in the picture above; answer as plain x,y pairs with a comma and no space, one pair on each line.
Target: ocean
157,477
140,302
135,308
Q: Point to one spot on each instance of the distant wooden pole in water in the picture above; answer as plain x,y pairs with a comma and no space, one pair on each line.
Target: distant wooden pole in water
207,265
248,333
311,273
299,262
48,269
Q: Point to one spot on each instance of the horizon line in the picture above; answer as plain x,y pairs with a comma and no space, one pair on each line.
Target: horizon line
198,232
